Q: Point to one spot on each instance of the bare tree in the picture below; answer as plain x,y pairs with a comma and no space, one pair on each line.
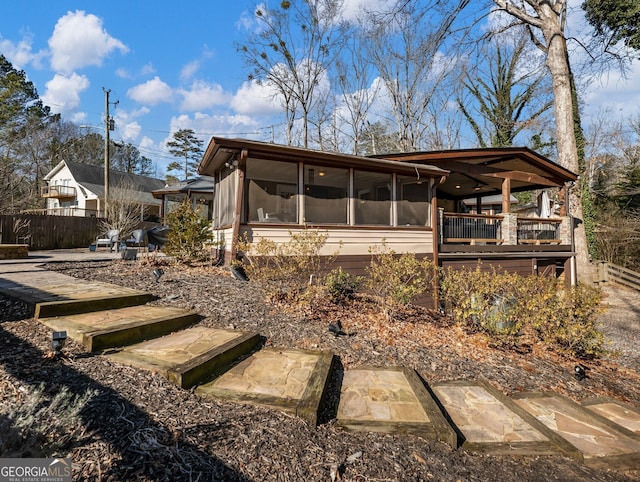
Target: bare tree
290,51
356,92
406,48
125,209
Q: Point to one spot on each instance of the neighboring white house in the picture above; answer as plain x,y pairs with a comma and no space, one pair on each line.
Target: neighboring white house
75,189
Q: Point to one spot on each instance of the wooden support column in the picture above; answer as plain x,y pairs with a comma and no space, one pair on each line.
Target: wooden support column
237,215
435,232
506,195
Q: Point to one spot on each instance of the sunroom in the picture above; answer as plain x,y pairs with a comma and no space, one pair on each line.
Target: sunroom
268,190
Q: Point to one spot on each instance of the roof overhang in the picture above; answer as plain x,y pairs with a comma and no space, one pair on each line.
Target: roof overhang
481,172
222,150
202,184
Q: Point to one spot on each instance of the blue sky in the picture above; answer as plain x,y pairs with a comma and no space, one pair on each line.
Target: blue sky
172,65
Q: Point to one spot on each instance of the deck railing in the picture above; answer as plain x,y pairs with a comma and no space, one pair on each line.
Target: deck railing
458,228
470,228
56,191
539,231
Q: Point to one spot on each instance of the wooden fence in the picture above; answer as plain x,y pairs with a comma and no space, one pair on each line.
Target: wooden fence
48,232
609,272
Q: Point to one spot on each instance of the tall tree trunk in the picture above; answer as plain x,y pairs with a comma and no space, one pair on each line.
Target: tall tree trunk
558,63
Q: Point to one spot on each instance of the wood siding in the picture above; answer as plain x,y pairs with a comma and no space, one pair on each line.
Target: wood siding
352,241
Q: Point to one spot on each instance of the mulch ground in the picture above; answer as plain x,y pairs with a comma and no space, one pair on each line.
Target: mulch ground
139,426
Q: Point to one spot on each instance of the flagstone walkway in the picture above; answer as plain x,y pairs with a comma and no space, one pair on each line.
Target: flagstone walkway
118,323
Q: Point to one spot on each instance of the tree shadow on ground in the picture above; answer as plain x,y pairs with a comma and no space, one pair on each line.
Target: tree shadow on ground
145,449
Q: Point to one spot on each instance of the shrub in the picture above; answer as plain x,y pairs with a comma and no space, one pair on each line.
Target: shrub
503,305
566,319
397,279
285,270
35,425
189,231
483,300
341,286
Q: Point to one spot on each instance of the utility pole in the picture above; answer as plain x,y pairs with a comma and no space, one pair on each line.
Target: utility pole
106,151
108,126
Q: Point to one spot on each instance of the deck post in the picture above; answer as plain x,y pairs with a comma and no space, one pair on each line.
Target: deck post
565,230
510,229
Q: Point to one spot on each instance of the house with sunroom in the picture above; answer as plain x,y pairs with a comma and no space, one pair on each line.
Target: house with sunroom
414,202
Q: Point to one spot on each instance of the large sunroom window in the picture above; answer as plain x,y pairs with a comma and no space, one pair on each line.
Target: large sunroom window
272,188
325,194
413,201
372,193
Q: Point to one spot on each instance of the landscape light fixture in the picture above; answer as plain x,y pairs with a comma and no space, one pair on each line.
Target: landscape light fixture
580,372
336,329
157,273
57,340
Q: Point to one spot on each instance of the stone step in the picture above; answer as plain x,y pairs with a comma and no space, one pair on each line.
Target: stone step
390,400
490,423
291,380
56,294
601,442
100,330
626,417
189,356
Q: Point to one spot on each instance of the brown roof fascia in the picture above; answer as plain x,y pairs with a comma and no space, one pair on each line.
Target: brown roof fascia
220,150
485,155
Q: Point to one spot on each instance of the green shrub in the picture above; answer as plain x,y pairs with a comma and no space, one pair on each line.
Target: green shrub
285,270
503,305
189,231
341,286
395,280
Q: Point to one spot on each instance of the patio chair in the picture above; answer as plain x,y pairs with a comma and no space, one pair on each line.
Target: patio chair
109,239
137,238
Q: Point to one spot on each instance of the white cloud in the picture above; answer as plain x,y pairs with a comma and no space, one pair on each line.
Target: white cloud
152,92
352,9
144,71
123,73
253,98
79,40
21,54
202,95
130,131
62,93
189,70
206,125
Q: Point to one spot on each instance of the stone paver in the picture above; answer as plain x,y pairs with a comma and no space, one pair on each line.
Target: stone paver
599,442
616,412
99,330
187,355
390,399
291,380
603,432
489,422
